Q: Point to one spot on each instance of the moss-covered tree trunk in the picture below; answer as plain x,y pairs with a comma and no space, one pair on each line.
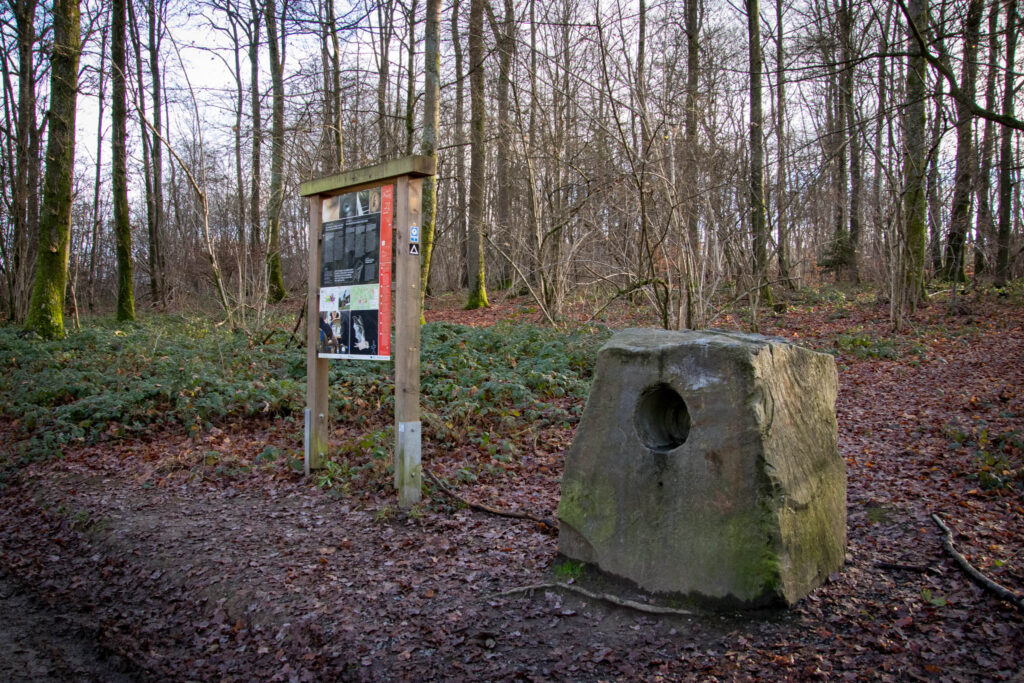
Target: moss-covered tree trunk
461,231
46,305
1006,151
155,203
960,213
119,181
431,122
986,231
275,45
914,163
505,36
477,171
24,172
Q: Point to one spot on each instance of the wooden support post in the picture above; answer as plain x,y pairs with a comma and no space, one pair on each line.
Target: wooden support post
406,174
408,470
315,440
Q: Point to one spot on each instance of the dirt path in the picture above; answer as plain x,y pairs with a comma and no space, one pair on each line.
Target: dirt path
40,644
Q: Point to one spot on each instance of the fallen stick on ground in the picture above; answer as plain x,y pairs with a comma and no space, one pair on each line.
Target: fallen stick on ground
976,576
916,568
515,514
620,602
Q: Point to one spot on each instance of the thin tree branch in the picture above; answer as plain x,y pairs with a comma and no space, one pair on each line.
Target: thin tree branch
940,64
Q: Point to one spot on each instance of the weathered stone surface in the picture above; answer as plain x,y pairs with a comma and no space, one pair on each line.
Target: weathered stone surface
706,465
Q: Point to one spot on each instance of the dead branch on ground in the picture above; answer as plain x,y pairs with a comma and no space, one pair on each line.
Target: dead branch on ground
916,568
548,526
976,576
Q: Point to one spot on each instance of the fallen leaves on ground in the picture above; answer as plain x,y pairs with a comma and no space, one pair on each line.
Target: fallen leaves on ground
236,568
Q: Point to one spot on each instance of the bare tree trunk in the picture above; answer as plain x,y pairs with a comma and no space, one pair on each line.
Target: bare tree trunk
339,139
933,181
46,305
881,119
119,159
853,135
332,84
7,162
256,164
914,161
1006,151
477,178
960,213
147,145
232,28
410,91
757,217
157,262
431,123
461,232
986,229
536,237
782,199
98,180
504,35
650,241
25,209
690,118
385,24
326,145
840,78
275,45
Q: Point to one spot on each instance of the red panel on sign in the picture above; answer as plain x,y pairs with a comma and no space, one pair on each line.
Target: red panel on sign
387,197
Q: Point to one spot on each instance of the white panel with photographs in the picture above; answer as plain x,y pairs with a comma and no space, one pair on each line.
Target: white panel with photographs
350,276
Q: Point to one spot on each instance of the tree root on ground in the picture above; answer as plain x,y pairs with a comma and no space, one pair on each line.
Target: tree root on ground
976,576
614,600
546,525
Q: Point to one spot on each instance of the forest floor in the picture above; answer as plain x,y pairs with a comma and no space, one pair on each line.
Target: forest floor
138,559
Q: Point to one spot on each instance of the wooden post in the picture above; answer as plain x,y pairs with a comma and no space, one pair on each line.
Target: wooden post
408,470
316,368
406,174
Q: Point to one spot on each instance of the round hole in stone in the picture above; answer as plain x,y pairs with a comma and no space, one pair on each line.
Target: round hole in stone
662,420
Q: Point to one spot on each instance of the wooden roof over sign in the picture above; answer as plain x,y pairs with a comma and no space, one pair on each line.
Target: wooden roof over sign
416,166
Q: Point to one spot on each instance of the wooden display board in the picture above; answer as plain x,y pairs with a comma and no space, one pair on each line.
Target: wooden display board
377,204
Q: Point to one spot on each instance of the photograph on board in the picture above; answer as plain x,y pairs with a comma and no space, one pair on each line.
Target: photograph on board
335,304
351,239
364,333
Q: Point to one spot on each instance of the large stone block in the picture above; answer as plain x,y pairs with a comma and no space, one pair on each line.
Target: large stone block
706,465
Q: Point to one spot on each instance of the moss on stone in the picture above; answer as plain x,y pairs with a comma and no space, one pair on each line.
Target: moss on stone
752,555
590,511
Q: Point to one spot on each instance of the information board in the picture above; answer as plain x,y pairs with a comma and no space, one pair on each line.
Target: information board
355,275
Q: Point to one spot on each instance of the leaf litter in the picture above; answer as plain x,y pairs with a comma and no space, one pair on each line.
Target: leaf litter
196,556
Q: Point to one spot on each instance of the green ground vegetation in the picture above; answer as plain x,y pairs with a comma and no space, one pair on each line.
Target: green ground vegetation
113,380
